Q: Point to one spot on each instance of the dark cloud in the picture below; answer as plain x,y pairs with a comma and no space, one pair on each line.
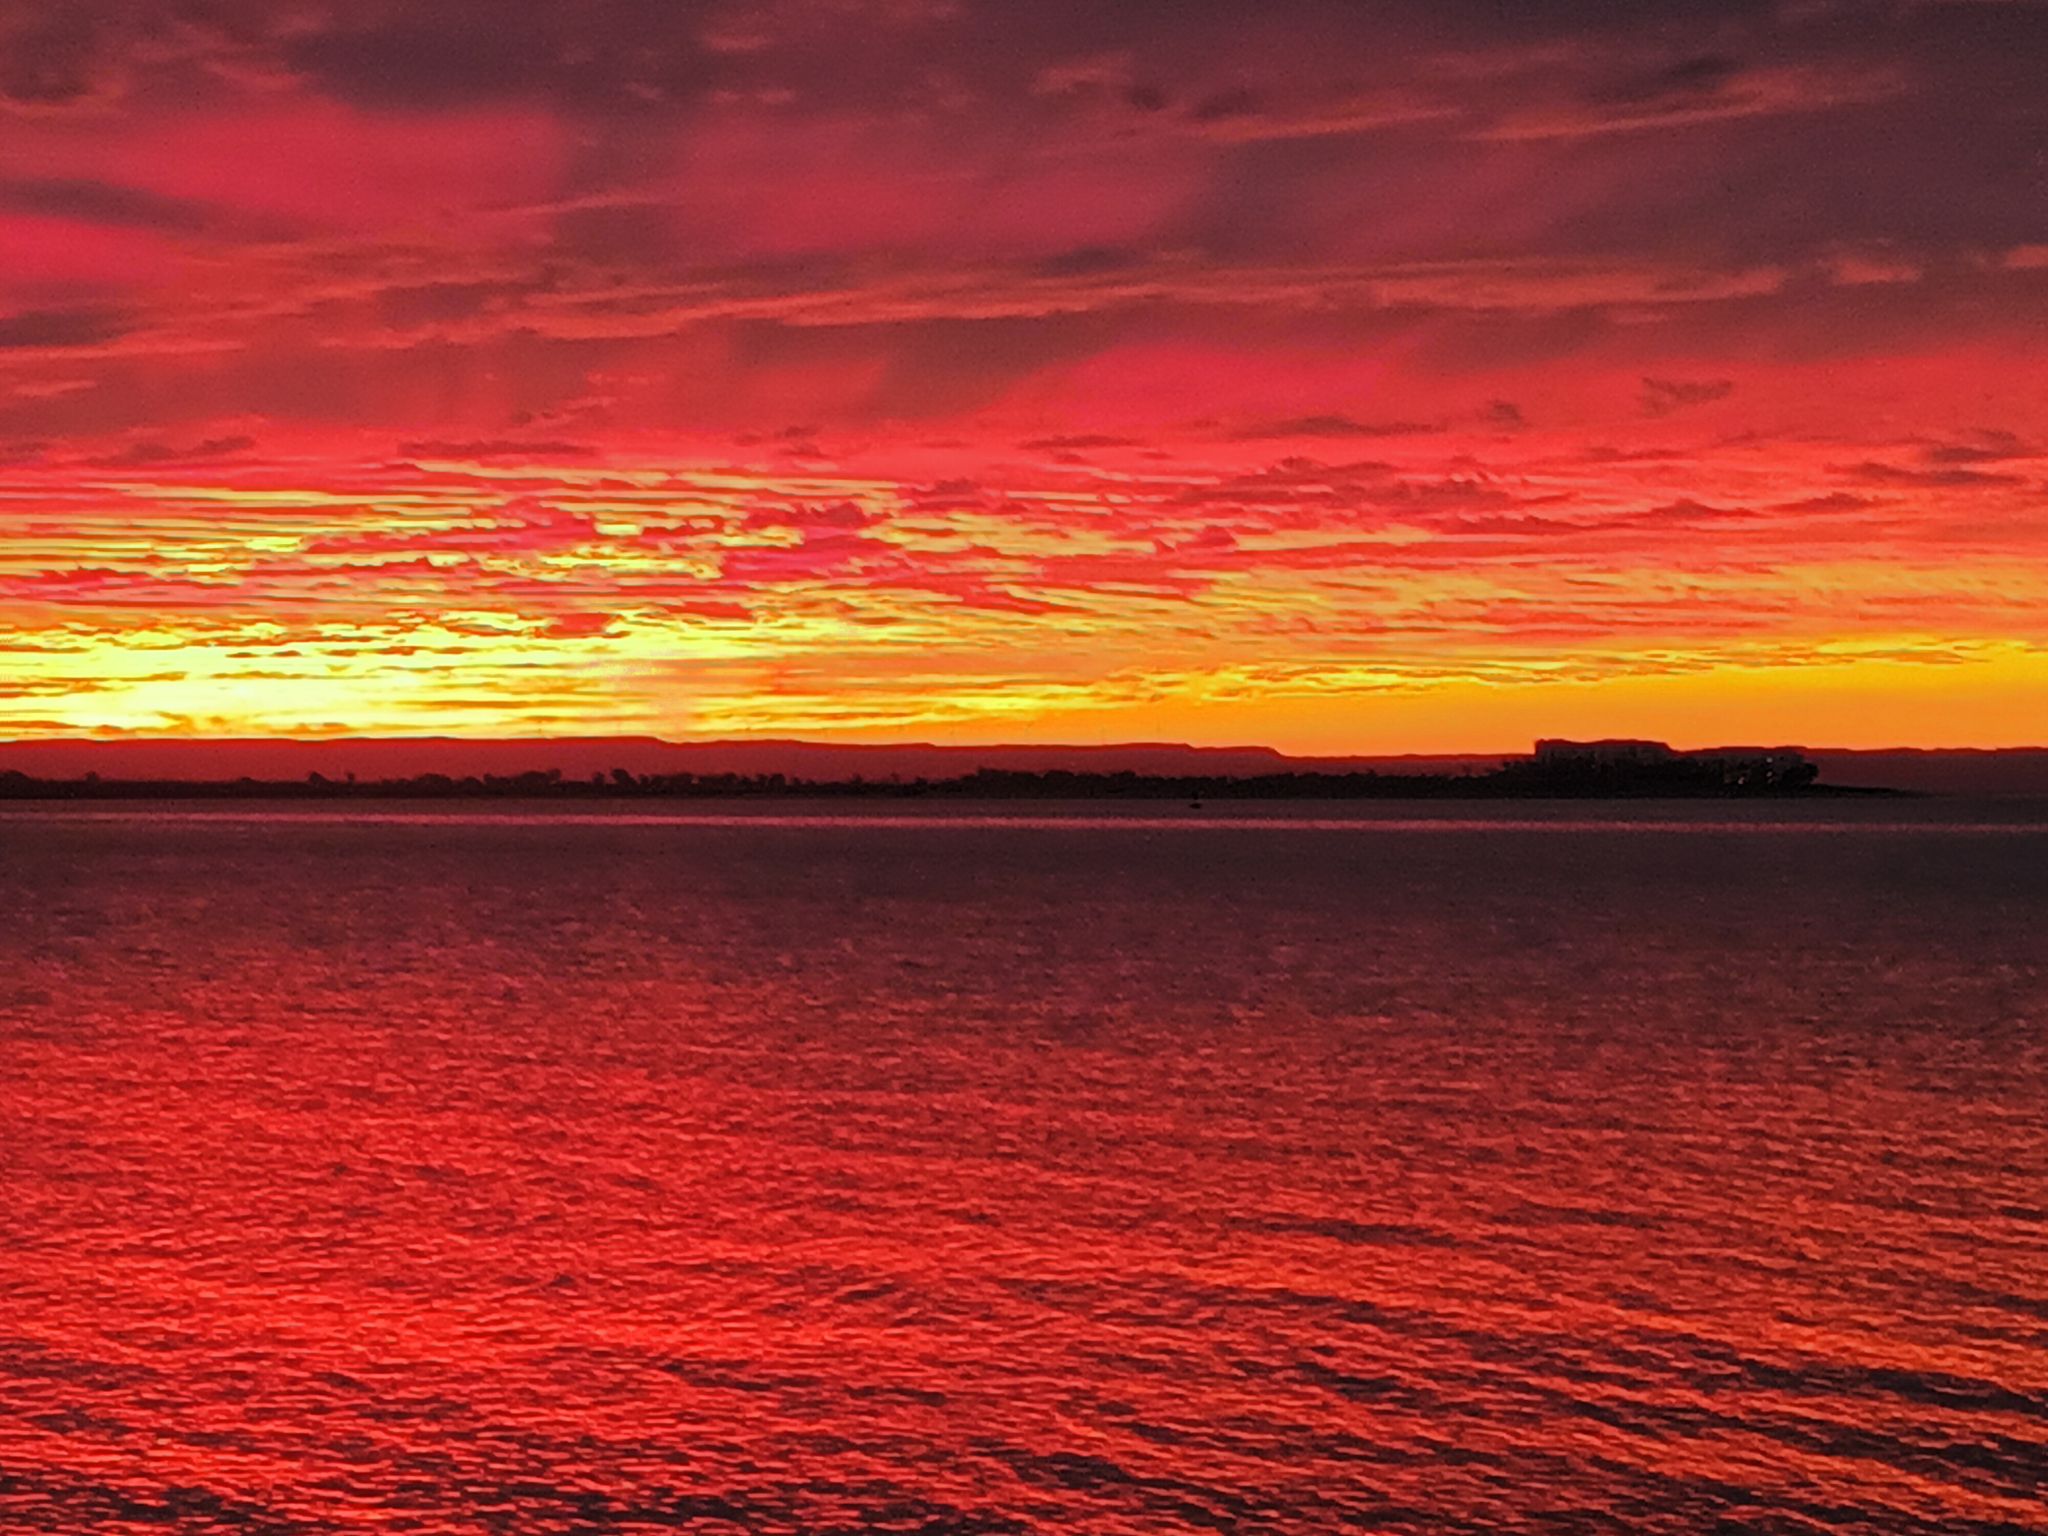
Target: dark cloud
494,448
1991,447
1873,472
1689,513
1833,501
1693,77
1294,222
85,55
1091,261
58,329
1224,105
1663,396
1334,426
844,516
52,56
1078,442
102,202
410,306
150,451
603,57
1279,97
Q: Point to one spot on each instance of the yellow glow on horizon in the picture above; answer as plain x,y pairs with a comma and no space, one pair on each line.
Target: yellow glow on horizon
1429,604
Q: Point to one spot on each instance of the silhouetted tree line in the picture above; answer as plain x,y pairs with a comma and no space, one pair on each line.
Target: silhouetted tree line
1680,775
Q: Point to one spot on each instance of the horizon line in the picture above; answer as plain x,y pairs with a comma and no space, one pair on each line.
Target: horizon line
445,738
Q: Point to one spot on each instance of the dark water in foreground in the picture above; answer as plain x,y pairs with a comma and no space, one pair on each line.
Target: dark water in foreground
462,1173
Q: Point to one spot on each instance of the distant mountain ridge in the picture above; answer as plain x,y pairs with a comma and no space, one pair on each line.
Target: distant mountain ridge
1957,771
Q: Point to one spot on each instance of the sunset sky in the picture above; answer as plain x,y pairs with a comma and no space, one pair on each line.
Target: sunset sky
1373,376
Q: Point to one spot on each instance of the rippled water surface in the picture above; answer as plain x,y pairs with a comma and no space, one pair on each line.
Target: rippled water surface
479,1173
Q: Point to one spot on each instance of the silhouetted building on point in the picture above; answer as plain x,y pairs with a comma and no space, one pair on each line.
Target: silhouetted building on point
1761,767
1554,752
1636,767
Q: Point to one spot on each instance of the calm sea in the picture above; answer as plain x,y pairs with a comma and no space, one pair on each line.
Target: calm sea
1676,1169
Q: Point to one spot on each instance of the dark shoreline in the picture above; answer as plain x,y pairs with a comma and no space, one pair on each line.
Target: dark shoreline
980,787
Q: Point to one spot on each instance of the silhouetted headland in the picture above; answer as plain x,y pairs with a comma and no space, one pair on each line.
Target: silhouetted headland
1556,770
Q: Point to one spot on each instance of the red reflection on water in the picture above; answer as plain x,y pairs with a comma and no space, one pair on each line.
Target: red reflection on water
559,1178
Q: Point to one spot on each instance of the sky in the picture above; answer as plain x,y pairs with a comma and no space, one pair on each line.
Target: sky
1359,376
